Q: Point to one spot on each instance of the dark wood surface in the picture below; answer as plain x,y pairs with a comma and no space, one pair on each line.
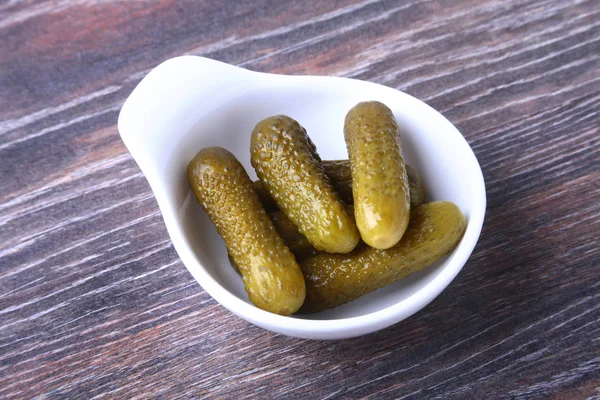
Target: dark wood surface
94,302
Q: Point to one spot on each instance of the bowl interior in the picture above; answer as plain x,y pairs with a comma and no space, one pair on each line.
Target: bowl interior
430,143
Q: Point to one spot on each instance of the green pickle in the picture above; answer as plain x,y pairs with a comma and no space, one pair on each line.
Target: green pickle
298,243
340,177
233,264
264,196
415,187
293,239
334,279
286,162
379,180
271,275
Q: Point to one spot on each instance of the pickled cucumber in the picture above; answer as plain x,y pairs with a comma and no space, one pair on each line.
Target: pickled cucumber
334,279
416,189
233,264
288,166
271,275
300,254
340,177
297,242
293,239
379,180
264,196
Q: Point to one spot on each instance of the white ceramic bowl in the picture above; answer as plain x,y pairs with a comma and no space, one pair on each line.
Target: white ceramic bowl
188,103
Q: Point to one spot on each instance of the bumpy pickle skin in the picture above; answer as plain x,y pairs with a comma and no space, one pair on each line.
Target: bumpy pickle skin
300,254
297,242
293,239
264,196
286,162
271,275
334,279
379,181
340,177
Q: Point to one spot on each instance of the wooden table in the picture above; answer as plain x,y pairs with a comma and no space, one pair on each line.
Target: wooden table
94,302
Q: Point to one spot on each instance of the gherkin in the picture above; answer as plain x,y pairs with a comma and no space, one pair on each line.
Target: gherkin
286,162
334,279
379,180
340,177
415,187
293,239
297,243
270,272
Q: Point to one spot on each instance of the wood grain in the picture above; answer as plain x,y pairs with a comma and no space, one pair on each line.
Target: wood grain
94,302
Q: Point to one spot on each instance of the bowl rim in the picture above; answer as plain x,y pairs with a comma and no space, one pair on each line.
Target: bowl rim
297,326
